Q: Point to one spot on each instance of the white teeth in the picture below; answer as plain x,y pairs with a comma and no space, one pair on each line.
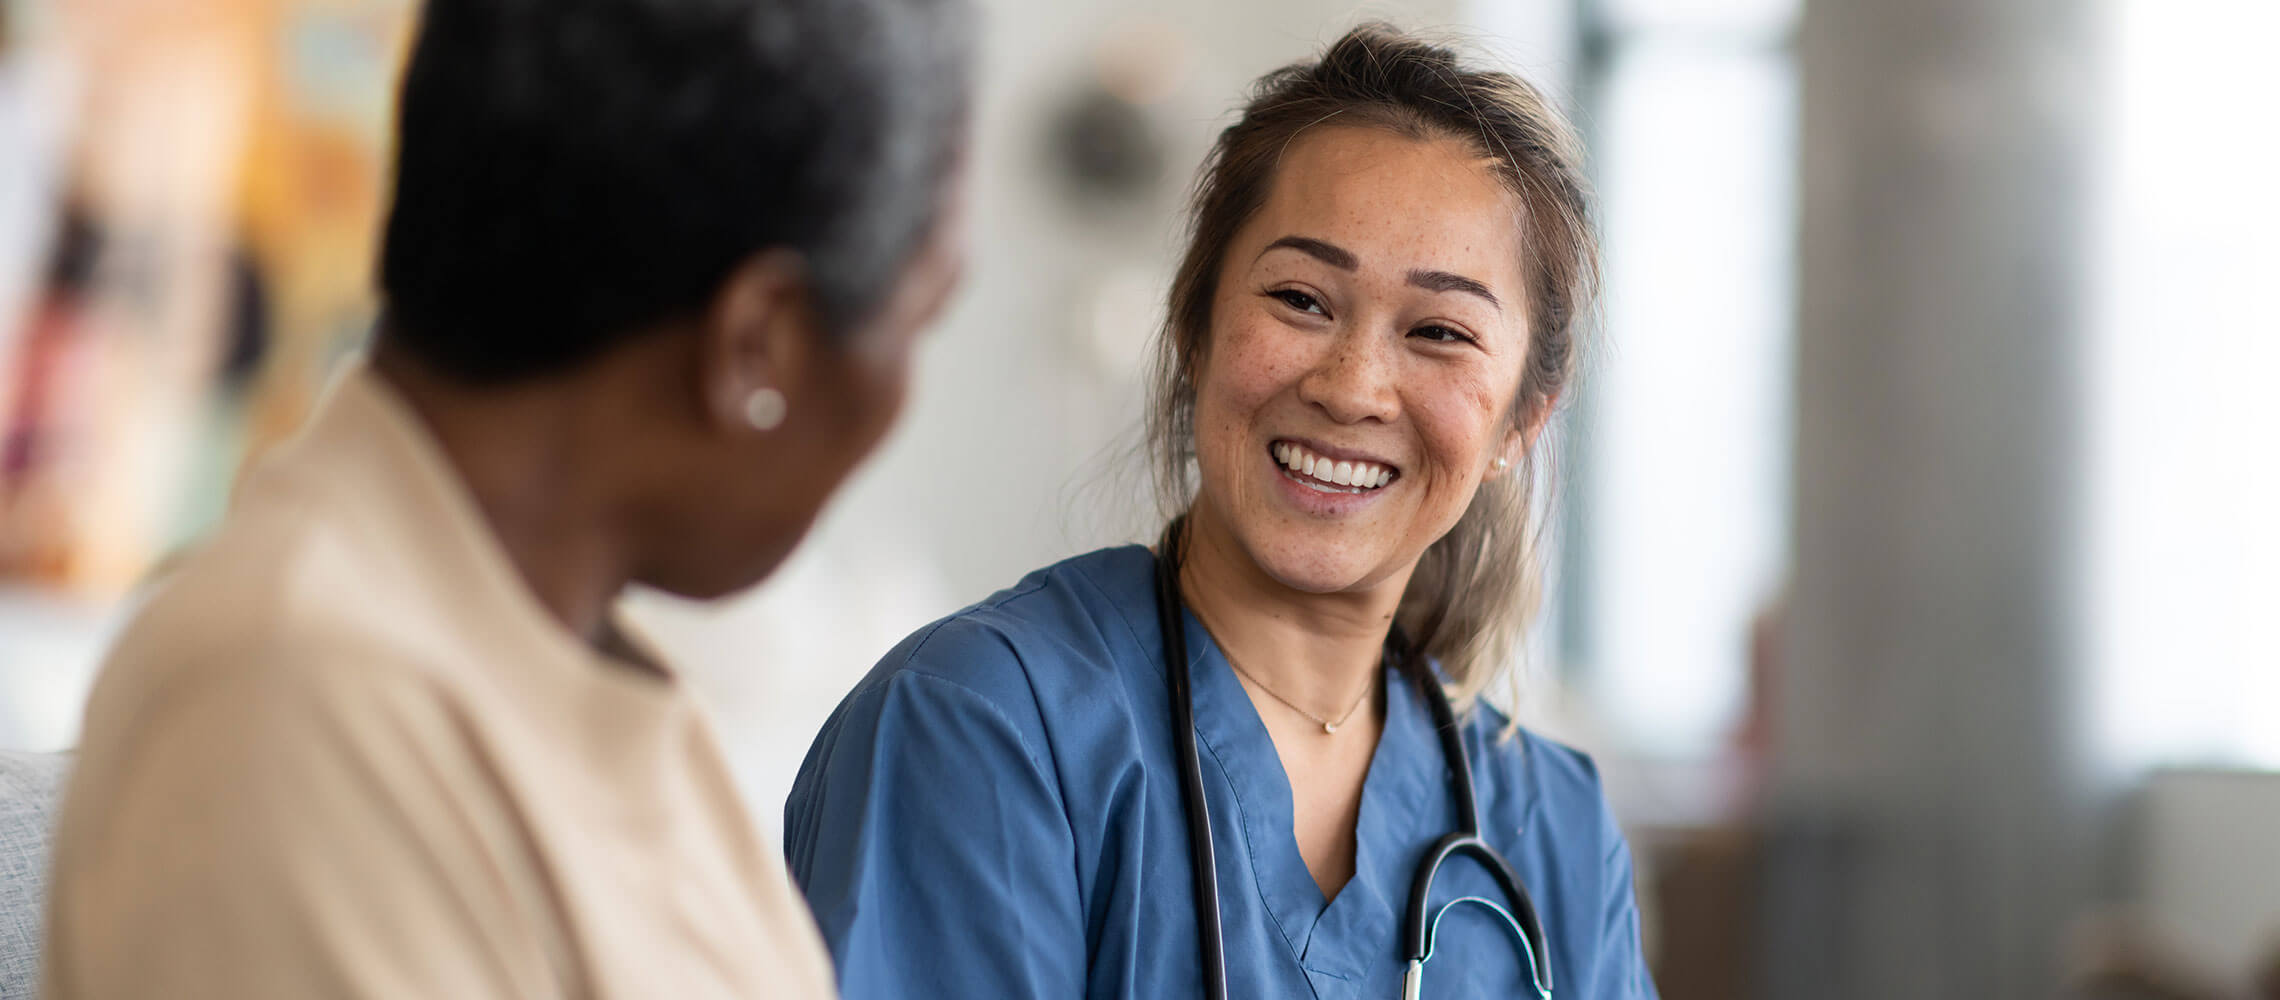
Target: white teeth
1359,475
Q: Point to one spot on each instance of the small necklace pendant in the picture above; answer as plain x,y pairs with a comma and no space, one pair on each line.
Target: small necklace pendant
1330,727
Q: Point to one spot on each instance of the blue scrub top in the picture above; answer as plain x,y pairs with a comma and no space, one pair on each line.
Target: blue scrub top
995,811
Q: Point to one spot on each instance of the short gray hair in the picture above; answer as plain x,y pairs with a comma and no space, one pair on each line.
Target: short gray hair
573,172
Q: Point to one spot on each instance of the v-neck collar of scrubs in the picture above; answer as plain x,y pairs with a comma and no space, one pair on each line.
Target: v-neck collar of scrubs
930,822
1406,781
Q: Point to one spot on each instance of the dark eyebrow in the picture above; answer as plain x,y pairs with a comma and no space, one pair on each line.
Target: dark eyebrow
1344,260
1335,256
1443,281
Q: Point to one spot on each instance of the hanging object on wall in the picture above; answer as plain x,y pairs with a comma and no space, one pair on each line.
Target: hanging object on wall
1107,141
315,187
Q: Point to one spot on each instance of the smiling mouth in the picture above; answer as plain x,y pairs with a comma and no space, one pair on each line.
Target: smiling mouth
1327,475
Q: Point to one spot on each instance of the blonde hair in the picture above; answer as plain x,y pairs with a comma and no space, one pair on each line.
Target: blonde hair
1476,587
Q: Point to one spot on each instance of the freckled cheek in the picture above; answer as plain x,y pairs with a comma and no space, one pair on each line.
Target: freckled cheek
1458,425
1249,366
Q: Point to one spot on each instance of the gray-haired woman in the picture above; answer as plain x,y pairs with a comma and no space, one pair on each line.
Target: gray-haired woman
651,280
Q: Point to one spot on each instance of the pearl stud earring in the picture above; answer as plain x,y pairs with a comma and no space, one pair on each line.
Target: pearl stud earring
764,409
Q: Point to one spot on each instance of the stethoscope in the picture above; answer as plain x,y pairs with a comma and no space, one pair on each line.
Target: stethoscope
1420,922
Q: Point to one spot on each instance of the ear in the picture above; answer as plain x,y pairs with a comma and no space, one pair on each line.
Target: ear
760,332
1521,439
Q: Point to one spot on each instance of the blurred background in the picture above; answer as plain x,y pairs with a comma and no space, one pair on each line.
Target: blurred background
1917,570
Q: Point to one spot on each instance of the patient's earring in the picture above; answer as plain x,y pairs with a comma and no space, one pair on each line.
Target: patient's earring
1502,463
764,409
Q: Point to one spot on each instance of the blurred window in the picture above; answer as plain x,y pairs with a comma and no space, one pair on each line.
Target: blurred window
2184,522
1678,482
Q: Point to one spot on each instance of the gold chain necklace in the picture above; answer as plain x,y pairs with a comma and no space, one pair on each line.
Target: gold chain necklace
1328,726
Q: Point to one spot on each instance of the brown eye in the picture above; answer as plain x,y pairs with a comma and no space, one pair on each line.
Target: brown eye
1441,335
1298,300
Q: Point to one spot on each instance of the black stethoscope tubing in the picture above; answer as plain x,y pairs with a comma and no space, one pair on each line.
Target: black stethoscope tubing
1204,861
1416,928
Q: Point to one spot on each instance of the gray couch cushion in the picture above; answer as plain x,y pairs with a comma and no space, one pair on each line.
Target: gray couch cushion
29,784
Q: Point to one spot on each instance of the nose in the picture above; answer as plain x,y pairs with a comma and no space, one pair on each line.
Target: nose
1354,381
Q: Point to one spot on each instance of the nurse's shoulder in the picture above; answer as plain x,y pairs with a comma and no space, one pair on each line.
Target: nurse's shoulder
966,763
1062,632
1529,782
1058,639
1043,675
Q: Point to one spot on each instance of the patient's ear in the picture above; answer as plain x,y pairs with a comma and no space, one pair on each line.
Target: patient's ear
760,335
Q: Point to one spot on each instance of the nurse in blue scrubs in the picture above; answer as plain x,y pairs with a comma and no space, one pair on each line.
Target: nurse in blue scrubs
1373,318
